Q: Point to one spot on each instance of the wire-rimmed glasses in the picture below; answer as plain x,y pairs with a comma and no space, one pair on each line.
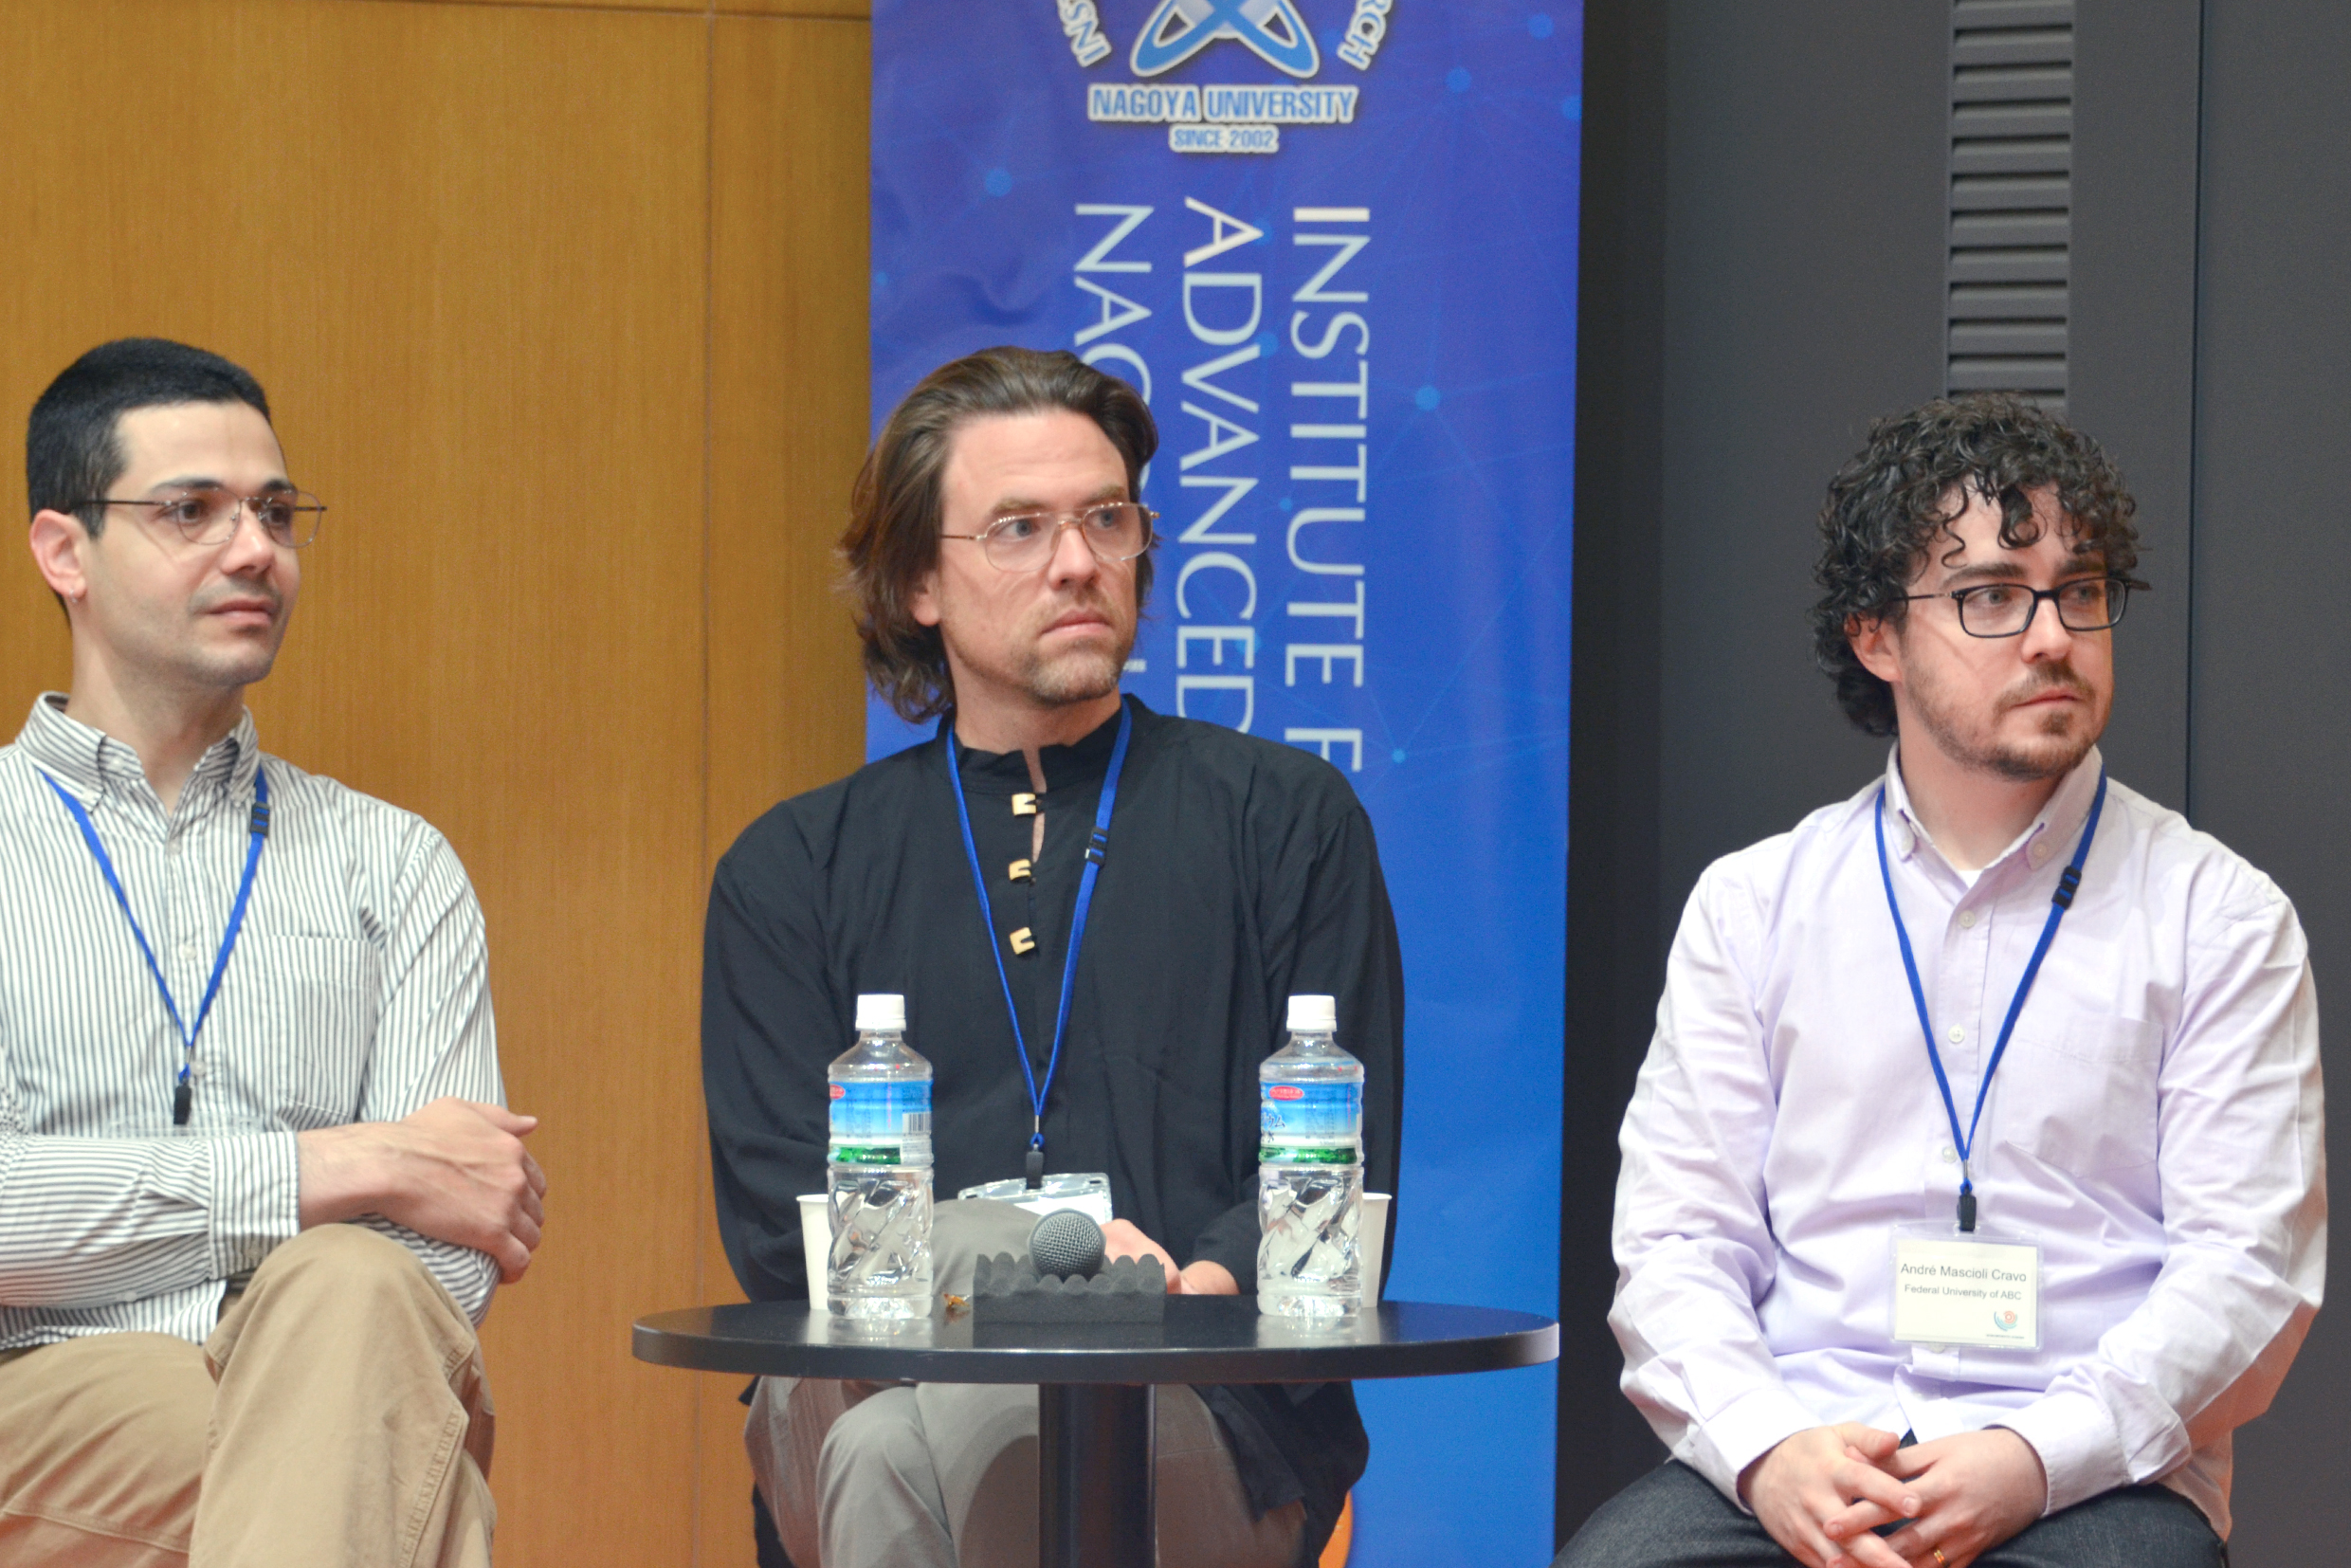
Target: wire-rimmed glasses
205,515
1024,541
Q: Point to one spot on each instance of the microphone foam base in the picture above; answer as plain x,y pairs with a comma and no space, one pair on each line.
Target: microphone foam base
1006,1289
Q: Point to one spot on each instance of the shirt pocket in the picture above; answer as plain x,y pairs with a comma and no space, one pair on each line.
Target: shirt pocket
322,1005
2083,1096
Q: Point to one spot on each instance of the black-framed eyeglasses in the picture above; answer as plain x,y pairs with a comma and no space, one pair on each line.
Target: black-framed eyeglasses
205,515
1114,531
2006,609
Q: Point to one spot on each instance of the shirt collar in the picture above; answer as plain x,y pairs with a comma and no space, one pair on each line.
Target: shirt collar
2051,829
1082,761
86,759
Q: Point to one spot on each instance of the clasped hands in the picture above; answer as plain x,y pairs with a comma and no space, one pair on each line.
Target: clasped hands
1823,1492
455,1171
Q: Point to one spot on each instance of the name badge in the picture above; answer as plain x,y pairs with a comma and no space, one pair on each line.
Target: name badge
1087,1191
1976,1288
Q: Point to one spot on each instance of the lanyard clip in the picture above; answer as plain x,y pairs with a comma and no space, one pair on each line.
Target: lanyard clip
261,819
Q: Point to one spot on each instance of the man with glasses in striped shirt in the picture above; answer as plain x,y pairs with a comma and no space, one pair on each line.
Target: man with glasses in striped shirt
256,1180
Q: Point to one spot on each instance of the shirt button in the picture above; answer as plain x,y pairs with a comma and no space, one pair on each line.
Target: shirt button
1967,919
1950,1155
1958,1035
2038,854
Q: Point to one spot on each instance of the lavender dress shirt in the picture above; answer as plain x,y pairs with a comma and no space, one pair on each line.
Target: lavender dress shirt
2156,1127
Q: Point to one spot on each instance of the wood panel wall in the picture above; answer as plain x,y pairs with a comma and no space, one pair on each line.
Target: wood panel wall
562,307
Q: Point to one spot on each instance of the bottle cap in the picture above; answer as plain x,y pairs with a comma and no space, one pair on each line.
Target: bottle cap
881,1011
1313,1015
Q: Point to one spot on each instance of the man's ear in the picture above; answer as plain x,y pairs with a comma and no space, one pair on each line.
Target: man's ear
1874,643
922,603
59,546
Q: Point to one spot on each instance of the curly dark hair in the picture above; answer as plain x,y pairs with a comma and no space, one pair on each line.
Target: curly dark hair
892,540
1908,484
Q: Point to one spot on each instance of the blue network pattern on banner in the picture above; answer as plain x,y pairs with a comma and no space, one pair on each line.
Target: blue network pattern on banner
1334,243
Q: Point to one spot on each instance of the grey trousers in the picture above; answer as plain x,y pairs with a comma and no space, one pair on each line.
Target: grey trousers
1674,1518
937,1475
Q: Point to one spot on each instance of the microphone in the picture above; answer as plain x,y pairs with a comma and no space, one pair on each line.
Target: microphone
1064,1280
1067,1242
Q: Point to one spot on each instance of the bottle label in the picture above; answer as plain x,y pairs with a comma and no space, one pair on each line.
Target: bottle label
1310,1124
883,1122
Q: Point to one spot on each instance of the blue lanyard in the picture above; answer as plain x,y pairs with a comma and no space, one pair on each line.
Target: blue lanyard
1097,848
183,1091
2061,900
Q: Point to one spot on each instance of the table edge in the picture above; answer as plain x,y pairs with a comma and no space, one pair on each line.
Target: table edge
1531,1341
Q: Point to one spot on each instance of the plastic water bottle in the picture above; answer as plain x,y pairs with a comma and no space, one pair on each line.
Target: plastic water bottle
1310,1171
878,1171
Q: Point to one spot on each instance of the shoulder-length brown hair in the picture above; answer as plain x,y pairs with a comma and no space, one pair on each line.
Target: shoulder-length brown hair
892,541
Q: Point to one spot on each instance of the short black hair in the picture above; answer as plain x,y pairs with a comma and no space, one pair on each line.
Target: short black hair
1888,504
73,447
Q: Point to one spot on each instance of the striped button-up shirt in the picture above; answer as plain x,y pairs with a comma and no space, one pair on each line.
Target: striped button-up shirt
358,991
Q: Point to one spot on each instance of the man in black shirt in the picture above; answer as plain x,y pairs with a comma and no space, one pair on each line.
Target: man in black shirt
999,559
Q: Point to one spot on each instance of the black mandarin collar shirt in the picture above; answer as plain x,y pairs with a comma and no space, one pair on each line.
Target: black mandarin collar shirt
1032,899
1238,872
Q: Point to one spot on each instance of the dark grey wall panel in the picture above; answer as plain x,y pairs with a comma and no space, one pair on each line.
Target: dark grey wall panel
2133,337
1805,211
1613,962
1762,273
2272,722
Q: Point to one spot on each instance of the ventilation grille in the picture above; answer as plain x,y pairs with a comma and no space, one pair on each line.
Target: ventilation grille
2012,196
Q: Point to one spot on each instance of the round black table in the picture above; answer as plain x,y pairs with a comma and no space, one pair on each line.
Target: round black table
1095,1400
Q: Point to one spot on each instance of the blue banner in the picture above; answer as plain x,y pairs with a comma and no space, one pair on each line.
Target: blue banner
1334,243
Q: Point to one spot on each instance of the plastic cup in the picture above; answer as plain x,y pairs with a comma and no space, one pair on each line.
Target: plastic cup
815,1242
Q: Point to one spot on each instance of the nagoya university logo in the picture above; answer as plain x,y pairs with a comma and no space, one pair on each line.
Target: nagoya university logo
1214,118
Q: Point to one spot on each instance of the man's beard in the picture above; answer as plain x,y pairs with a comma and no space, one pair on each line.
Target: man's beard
1074,675
2057,752
1078,676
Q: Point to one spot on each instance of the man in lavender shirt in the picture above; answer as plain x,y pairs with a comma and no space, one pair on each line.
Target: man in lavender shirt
1974,1189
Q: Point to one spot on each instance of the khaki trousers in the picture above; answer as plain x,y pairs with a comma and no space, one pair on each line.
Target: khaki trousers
944,1475
338,1415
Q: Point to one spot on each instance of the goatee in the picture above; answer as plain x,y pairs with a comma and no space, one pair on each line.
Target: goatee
2063,746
